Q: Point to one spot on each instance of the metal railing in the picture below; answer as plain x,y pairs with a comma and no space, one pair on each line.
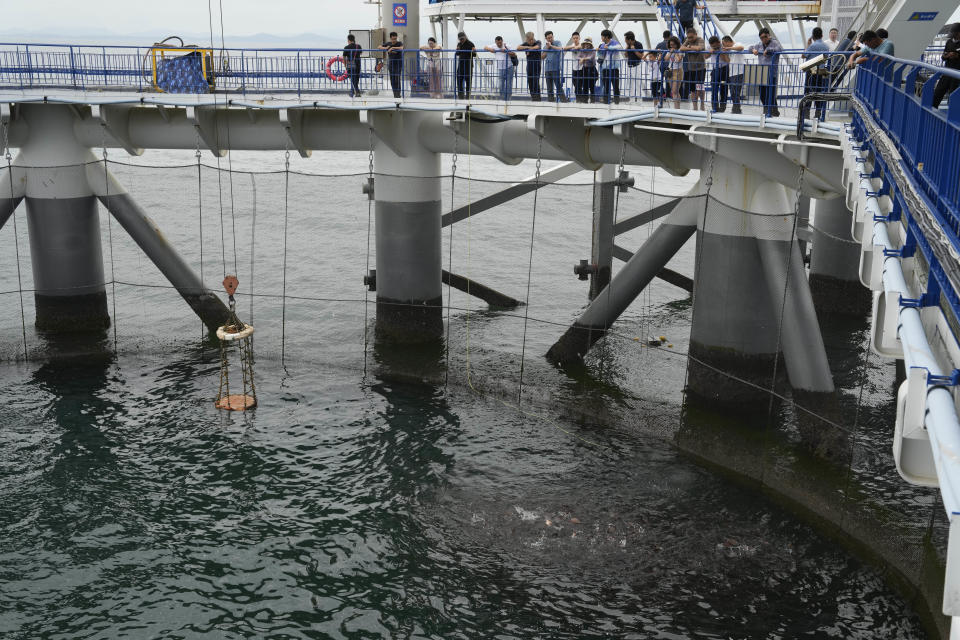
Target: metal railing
745,82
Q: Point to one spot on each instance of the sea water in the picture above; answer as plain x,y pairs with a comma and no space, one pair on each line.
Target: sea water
465,489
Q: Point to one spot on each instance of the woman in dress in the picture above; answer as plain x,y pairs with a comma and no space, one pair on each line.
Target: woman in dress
433,67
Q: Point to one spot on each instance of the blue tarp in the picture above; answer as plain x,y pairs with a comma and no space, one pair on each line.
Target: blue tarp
182,75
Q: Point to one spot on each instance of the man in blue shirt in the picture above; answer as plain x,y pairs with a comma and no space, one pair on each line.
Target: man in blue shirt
768,52
816,81
610,72
871,42
684,9
552,61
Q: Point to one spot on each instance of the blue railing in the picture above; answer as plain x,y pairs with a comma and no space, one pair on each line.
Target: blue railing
900,96
312,71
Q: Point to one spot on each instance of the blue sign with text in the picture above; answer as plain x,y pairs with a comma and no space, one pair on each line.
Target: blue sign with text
922,16
399,14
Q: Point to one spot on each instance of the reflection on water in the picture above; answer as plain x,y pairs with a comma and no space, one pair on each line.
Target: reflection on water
385,507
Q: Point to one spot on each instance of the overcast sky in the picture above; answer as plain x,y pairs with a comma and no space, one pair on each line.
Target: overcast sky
139,21
240,17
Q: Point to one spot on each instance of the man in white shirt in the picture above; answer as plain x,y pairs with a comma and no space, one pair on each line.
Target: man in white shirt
834,40
503,62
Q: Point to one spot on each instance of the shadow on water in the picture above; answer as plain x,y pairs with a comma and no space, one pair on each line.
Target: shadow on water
75,374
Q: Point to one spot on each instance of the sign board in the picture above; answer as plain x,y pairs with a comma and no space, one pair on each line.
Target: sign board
923,16
364,40
399,14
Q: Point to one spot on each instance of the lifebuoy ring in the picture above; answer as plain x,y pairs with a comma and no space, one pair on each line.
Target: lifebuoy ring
330,74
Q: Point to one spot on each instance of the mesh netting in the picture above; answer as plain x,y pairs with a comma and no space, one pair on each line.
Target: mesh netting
307,234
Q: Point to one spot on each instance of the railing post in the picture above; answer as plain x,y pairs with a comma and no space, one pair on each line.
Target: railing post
299,74
73,68
29,65
103,56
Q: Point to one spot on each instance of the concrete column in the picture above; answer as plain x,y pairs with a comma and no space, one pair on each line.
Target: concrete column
601,253
63,222
835,261
408,240
738,295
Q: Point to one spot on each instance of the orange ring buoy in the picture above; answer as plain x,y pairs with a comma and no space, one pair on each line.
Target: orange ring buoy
330,74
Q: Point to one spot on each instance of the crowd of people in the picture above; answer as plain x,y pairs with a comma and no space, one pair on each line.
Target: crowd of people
690,70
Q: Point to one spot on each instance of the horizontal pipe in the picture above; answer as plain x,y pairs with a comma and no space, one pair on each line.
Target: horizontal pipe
942,424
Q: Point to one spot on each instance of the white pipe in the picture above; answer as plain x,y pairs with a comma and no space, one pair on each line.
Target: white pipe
943,426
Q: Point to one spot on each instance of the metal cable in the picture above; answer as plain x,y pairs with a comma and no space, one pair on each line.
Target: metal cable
526,303
16,238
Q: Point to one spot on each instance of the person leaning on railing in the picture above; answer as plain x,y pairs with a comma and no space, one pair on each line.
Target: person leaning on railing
505,60
871,42
466,52
553,67
951,60
432,65
573,60
674,77
633,54
695,76
394,50
588,71
531,46
816,80
768,52
610,50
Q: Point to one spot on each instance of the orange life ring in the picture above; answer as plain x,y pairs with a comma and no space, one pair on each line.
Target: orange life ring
336,78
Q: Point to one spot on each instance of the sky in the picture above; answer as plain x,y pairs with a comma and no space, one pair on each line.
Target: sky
317,23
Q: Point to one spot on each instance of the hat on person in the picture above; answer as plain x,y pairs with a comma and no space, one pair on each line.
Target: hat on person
586,40
461,35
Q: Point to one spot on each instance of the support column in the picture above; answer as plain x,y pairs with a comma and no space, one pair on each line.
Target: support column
601,252
630,281
63,223
408,239
835,261
145,232
738,295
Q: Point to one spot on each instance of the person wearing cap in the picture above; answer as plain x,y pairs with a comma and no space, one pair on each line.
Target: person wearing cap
466,52
588,72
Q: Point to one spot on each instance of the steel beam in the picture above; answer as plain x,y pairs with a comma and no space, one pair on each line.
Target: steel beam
148,236
516,190
629,282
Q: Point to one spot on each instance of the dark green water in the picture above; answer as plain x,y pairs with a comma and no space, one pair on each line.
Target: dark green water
363,508
367,505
